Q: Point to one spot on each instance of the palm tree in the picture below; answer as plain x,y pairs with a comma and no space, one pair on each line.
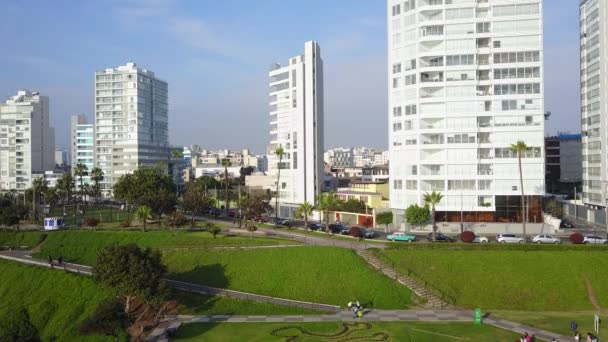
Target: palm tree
144,213
81,171
304,210
39,186
328,202
433,199
520,147
279,152
96,177
226,163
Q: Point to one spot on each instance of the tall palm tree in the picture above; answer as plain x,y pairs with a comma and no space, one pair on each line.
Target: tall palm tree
279,152
304,211
39,186
81,171
328,202
96,177
144,213
433,199
226,163
520,148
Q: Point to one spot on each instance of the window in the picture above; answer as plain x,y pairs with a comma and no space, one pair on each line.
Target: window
410,79
396,111
483,27
460,60
398,184
411,185
396,68
410,110
397,126
396,10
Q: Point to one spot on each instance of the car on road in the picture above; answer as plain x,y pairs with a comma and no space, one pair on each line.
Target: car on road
594,240
566,224
368,233
279,222
316,226
398,236
480,239
509,238
439,237
544,238
260,219
338,228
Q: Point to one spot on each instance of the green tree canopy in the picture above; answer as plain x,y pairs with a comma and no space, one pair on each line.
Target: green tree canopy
17,326
147,186
196,199
353,206
384,218
108,319
417,215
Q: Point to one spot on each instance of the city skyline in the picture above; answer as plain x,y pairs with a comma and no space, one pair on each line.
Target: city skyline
218,69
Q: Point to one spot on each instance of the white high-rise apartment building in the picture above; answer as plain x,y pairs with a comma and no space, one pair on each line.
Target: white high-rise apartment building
466,82
594,99
131,121
82,146
296,124
27,141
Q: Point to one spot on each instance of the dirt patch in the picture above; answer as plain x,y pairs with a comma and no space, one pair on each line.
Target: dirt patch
591,294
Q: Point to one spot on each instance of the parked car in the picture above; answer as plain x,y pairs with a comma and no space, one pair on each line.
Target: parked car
566,224
480,239
594,240
439,237
316,226
338,228
368,233
509,238
401,237
260,219
282,222
544,238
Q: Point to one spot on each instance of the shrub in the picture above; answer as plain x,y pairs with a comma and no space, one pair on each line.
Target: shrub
175,220
125,224
108,318
213,229
467,236
91,221
355,231
576,238
417,215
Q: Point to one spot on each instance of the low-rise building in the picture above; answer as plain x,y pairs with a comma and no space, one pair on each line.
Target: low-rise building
378,173
373,194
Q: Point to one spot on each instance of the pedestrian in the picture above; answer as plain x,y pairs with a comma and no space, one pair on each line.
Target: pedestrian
577,337
50,261
360,313
527,337
350,306
358,304
355,312
60,260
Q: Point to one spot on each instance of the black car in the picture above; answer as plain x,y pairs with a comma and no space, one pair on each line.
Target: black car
316,226
566,224
279,222
338,228
440,237
368,233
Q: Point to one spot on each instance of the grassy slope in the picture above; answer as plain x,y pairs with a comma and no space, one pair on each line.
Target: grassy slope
398,331
81,246
510,280
57,302
316,274
20,239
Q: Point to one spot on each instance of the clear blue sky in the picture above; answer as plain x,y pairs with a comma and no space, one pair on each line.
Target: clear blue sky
215,55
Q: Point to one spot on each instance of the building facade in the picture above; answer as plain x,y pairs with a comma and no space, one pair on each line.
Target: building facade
465,83
27,141
564,165
82,146
297,125
594,98
131,122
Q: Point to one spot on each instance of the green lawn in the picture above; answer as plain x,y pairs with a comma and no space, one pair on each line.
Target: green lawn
541,280
56,301
195,304
81,246
315,274
16,239
374,331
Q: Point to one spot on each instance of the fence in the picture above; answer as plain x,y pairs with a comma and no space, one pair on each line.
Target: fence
583,213
74,214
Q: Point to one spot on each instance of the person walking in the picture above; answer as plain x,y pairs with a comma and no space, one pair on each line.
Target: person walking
60,260
577,337
50,261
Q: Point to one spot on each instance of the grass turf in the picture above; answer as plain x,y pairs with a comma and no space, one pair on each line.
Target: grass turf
374,331
315,274
81,246
57,302
10,238
541,280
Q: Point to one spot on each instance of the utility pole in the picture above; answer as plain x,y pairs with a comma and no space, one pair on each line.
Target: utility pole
461,215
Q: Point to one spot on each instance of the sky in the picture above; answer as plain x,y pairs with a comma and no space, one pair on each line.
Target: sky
215,55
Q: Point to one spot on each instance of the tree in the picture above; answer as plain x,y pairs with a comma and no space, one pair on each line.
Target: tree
520,147
97,177
213,229
416,215
17,326
143,213
131,272
253,206
328,202
554,208
9,216
433,199
226,163
279,152
353,206
39,187
384,218
108,319
81,171
147,186
304,211
65,188
196,199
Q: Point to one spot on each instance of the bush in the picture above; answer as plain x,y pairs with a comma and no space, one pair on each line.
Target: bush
213,229
576,238
176,220
91,221
17,326
467,237
125,224
108,318
356,232
417,215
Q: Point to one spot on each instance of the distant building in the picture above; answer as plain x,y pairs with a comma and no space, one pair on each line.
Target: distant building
373,194
61,158
375,173
83,146
27,141
564,163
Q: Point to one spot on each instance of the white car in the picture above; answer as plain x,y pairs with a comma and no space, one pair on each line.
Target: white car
544,238
509,238
480,239
594,240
